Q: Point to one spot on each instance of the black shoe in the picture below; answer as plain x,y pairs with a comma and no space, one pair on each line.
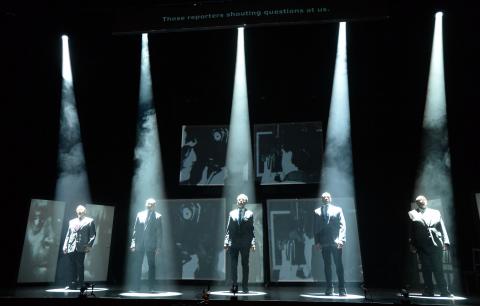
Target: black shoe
245,289
429,293
234,289
342,292
329,291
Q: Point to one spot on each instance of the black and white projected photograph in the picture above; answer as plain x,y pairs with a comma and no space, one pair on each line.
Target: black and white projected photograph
97,261
197,228
256,258
288,153
42,240
293,256
203,155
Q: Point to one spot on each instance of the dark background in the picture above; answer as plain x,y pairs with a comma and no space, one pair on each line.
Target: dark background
289,73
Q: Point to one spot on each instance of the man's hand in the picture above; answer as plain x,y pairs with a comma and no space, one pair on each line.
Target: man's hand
268,176
413,249
339,245
253,248
157,251
64,250
88,249
446,246
225,247
132,249
318,246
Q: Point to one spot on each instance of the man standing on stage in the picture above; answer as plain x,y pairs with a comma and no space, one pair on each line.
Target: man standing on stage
429,238
329,231
79,241
146,240
240,238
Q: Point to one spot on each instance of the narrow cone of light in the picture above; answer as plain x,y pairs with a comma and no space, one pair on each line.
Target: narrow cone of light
239,151
337,167
337,173
434,176
72,182
147,179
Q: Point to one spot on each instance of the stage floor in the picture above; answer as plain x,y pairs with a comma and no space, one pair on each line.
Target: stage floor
192,295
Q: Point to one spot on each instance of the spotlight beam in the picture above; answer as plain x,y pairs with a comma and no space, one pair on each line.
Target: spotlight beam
239,151
72,182
337,172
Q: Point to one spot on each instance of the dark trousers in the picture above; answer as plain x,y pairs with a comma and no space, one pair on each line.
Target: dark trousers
245,254
139,255
431,261
327,253
77,265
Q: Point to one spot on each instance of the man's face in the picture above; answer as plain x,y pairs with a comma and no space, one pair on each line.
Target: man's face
421,202
326,198
81,212
241,201
150,205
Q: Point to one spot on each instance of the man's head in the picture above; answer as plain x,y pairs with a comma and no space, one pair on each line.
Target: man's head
242,199
421,201
81,211
150,204
326,198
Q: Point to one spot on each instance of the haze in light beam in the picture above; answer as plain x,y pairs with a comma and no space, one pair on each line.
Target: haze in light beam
337,172
239,151
72,182
434,177
148,177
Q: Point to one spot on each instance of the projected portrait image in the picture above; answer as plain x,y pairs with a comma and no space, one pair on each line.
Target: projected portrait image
203,155
288,153
194,230
293,255
42,240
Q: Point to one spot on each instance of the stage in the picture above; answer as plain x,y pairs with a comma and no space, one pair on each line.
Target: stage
193,295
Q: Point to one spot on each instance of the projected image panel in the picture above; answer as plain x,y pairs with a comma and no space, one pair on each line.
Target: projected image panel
203,155
193,234
288,153
256,258
42,241
97,260
293,256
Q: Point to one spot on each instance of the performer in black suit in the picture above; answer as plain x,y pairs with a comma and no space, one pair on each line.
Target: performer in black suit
79,241
429,238
240,238
329,231
146,240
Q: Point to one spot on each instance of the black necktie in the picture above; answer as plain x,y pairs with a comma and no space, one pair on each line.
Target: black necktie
240,215
149,218
324,213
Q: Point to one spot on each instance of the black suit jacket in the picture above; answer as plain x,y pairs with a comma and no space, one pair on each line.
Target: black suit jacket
330,229
80,235
147,232
240,234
